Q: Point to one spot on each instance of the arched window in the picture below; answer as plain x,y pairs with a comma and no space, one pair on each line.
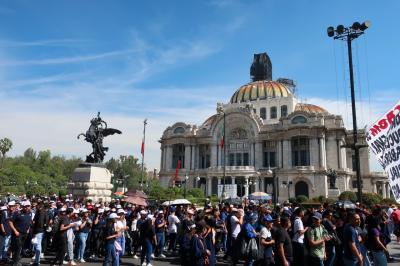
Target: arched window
299,120
273,112
263,113
283,110
179,130
300,151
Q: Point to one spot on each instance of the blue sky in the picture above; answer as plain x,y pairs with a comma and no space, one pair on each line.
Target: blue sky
169,61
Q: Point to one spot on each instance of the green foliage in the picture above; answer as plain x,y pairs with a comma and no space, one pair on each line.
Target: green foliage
36,173
292,200
127,169
371,199
388,202
301,198
348,195
5,146
320,199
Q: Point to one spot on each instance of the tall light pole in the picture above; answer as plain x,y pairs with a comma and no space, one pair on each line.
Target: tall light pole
348,34
142,151
221,110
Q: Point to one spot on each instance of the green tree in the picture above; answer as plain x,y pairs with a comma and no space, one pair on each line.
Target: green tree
5,146
348,195
370,199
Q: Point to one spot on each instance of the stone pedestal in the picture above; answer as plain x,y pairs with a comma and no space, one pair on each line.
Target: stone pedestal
91,181
333,193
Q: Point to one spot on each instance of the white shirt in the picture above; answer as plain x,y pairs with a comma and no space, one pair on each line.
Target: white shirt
235,226
298,225
172,222
264,234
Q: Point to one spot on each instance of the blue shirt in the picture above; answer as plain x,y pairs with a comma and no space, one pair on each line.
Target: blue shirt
249,230
350,234
22,221
4,220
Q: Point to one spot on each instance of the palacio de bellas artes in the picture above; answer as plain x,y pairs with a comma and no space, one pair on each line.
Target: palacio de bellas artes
265,138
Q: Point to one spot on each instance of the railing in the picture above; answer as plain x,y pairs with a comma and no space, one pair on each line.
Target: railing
232,168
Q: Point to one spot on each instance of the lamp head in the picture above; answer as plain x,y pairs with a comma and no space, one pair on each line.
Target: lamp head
365,25
340,29
330,31
356,26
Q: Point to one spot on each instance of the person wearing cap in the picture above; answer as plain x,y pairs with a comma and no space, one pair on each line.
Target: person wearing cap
5,234
266,241
84,230
317,237
160,225
20,224
185,246
120,226
173,222
352,254
40,223
200,253
110,236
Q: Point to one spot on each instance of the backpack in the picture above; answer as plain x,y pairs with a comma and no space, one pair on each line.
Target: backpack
395,216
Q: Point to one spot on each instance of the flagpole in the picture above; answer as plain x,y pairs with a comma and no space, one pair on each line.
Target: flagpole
224,173
142,151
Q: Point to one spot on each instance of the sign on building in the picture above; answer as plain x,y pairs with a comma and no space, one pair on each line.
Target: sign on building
383,138
230,191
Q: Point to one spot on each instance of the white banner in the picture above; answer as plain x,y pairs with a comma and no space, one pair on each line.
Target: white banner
383,138
230,191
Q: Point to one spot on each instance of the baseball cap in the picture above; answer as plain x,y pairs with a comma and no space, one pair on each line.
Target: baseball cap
121,211
143,212
11,203
26,203
113,216
317,215
100,210
268,218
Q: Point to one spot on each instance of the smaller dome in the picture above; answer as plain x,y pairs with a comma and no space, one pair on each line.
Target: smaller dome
310,108
261,89
209,121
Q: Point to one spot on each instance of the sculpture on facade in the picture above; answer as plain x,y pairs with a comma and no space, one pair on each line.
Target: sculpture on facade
261,69
97,131
332,178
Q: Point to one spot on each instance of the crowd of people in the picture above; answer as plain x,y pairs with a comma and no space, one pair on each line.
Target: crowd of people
75,231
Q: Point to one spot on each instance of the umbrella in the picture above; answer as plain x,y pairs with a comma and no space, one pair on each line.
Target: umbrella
135,200
346,204
136,193
180,202
259,196
166,203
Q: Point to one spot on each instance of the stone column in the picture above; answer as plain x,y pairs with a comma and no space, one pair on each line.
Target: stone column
262,184
383,190
233,180
287,154
258,155
219,180
246,186
279,153
209,185
193,149
213,158
314,152
162,159
187,157
322,151
168,159
387,190
374,188
343,154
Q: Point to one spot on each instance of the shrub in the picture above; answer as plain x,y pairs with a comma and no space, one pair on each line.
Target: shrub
301,198
292,200
371,199
348,195
388,202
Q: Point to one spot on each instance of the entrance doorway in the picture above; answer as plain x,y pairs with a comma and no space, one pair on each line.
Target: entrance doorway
301,188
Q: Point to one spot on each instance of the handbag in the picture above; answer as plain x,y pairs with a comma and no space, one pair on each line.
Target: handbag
117,246
252,249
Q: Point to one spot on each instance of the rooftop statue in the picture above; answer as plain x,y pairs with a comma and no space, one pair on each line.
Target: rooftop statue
97,131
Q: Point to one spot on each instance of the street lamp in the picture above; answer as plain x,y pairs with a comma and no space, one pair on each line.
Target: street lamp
272,171
348,34
287,184
221,110
184,189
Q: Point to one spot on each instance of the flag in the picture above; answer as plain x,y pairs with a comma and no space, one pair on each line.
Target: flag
178,166
142,148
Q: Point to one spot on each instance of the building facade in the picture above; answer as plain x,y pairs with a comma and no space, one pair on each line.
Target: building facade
265,138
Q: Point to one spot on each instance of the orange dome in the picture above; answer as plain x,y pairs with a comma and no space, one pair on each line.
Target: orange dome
261,89
310,108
